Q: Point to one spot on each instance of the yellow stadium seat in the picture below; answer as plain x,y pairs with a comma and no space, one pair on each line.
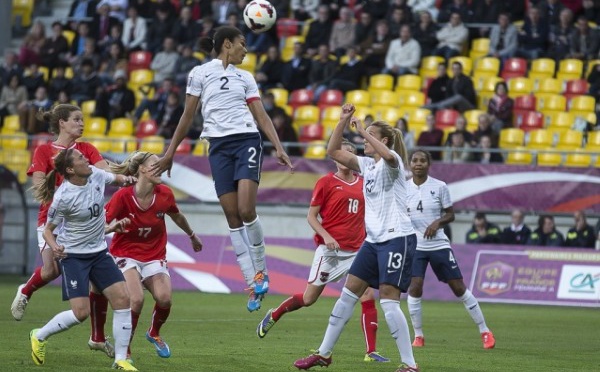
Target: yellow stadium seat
593,141
45,71
472,117
199,56
358,97
93,126
307,114
479,48
388,114
409,82
201,148
69,35
542,68
153,144
590,66
578,159
140,77
18,161
316,150
22,9
549,159
540,139
100,142
550,102
483,99
362,112
249,63
281,96
88,108
123,126
548,86
384,98
330,116
511,138
466,62
287,55
415,116
488,84
11,124
381,82
569,69
429,66
488,66
582,103
14,141
120,143
588,116
519,86
570,140
411,99
559,120
519,156
291,40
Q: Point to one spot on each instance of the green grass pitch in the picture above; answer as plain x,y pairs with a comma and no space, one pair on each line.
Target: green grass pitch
209,332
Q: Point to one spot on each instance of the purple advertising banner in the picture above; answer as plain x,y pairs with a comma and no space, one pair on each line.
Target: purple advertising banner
472,186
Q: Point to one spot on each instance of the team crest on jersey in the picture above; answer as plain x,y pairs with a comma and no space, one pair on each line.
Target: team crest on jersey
98,188
323,276
121,263
432,193
160,214
74,284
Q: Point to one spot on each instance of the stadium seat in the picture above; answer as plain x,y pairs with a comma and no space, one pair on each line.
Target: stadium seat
94,125
429,66
100,142
384,98
466,62
550,102
69,35
593,141
153,144
416,117
519,156
549,159
409,82
358,97
311,132
362,112
45,71
487,66
577,87
331,115
39,139
578,159
88,108
582,103
146,128
514,67
483,100
304,115
388,114
249,63
539,139
184,147
511,138
486,84
122,143
569,69
559,121
445,118
528,120
141,77
14,141
472,117
541,68
590,66
381,82
549,86
519,86
525,103
411,99
479,48
301,97
199,56
18,161
201,148
289,41
330,97
316,150
22,9
11,124
139,60
570,140
287,27
121,126
281,95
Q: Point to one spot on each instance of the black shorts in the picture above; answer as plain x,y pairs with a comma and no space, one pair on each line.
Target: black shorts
443,263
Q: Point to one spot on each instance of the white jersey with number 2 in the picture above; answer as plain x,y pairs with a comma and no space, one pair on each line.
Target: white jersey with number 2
225,94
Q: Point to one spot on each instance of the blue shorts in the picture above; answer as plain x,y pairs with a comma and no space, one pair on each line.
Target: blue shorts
443,263
79,269
233,158
386,263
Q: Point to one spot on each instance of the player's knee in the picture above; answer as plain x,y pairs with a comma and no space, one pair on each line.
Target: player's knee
50,272
309,300
164,301
458,287
136,303
81,313
248,214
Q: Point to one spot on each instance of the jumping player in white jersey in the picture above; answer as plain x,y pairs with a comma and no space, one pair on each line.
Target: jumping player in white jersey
430,208
82,252
231,108
385,258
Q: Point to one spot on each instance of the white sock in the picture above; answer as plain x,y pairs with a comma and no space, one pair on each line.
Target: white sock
257,244
60,323
340,315
242,253
121,332
416,314
474,310
399,329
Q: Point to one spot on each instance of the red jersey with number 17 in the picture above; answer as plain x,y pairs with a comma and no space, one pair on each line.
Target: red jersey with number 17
342,210
146,239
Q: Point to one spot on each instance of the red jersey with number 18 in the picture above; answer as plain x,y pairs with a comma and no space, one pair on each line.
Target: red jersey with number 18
342,210
146,239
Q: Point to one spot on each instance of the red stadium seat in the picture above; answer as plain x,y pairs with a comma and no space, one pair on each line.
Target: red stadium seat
184,148
514,67
446,118
525,103
576,87
528,120
311,132
139,60
287,27
301,97
330,97
146,128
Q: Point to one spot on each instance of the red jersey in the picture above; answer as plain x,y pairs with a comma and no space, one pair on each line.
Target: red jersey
146,239
43,162
342,210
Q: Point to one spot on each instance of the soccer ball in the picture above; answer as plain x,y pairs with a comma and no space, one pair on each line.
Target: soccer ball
259,16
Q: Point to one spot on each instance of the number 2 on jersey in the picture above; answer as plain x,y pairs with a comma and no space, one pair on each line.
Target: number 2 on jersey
225,81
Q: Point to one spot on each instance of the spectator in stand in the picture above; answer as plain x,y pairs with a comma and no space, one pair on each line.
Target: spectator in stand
424,6
424,33
304,9
581,235
115,37
432,137
163,63
63,98
517,232
185,29
503,38
156,104
438,88
169,115
349,74
455,151
59,83
286,133
460,93
319,31
270,72
169,6
281,6
452,38
484,128
322,68
271,108
162,26
115,101
12,95
591,10
32,44
482,231
78,43
89,53
533,37
485,155
378,9
102,24
207,26
112,61
134,31
461,128
546,234
398,18
486,11
407,135
404,54
296,71
584,41
55,47
145,8
85,83
558,39
29,109
118,8
459,7
500,108
9,68
342,33
374,49
364,28
594,80
550,10
32,79
260,43
81,9
185,62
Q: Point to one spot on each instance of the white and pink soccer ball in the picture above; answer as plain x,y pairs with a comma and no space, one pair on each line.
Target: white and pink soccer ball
259,16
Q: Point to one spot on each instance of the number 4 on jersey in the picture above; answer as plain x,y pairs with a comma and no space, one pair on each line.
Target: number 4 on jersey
420,206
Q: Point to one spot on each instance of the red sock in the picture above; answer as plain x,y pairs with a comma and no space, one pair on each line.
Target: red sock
159,317
134,322
34,283
291,304
98,309
368,321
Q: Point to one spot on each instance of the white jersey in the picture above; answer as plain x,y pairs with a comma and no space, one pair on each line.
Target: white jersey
385,200
225,94
426,203
81,209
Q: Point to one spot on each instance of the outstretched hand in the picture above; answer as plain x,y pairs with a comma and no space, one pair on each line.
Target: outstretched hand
163,164
284,159
348,110
358,125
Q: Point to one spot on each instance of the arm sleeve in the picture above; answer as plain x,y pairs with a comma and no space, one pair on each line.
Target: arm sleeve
445,197
40,161
91,153
173,208
318,195
56,212
112,207
194,84
252,89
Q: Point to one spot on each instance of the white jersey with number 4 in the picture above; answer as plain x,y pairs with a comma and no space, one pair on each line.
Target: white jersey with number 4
225,94
385,200
81,208
426,203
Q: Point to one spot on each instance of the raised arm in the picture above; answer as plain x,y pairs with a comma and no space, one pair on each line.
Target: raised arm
334,147
380,148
